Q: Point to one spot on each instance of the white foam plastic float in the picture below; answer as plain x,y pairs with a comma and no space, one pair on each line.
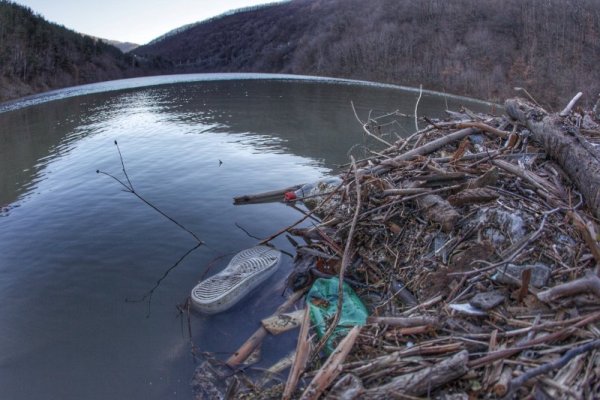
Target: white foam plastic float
246,270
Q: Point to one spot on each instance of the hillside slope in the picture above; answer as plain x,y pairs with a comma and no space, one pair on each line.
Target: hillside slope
479,48
36,55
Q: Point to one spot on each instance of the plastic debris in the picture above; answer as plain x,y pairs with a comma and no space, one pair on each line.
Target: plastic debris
511,274
487,300
311,194
468,309
322,301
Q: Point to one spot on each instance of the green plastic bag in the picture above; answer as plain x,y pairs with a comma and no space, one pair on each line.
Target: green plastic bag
322,301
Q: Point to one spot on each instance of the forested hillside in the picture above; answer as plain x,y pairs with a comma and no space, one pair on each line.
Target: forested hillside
480,48
36,55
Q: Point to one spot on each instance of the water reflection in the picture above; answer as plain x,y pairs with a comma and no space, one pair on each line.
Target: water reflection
309,119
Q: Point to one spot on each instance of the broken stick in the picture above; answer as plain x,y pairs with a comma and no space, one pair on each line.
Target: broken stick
544,368
257,337
332,367
301,357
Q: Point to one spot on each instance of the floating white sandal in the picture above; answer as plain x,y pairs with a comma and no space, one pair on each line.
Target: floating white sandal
246,270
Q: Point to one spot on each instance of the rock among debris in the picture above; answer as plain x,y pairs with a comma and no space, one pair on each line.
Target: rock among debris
511,274
487,300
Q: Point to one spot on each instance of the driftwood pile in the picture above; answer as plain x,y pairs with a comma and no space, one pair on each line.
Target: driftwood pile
474,244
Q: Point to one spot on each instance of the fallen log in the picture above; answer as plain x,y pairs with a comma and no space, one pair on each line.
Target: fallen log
588,284
425,380
332,367
264,197
349,387
562,143
303,348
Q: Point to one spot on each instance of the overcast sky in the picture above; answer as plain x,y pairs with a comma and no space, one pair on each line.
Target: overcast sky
137,21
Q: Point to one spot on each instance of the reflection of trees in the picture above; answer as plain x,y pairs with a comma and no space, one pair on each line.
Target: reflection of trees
311,120
29,135
308,119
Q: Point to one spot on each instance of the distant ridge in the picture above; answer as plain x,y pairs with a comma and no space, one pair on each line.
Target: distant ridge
478,48
125,47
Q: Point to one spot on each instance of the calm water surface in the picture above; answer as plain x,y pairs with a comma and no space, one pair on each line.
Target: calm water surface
77,252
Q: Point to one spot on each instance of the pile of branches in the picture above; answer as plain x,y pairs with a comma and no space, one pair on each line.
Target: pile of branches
474,244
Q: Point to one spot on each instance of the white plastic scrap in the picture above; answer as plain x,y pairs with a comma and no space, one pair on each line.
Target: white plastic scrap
468,309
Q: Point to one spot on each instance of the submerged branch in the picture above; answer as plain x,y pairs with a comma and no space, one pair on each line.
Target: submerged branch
129,188
149,293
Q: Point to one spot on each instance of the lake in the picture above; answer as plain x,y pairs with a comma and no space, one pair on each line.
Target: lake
91,277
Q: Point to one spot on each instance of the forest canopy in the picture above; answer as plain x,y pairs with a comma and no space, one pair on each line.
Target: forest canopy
479,48
36,55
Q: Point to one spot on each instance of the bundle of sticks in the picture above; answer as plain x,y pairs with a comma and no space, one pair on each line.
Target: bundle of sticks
474,244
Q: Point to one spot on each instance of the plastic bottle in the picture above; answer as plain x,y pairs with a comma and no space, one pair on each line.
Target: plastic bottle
315,189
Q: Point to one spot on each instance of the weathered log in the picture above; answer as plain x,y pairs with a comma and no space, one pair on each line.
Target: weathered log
385,362
472,196
543,185
431,146
501,386
405,191
438,210
347,388
588,284
425,380
562,143
332,367
303,348
264,197
545,339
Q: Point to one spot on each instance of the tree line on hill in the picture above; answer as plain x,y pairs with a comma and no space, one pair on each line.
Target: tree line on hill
478,48
36,55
